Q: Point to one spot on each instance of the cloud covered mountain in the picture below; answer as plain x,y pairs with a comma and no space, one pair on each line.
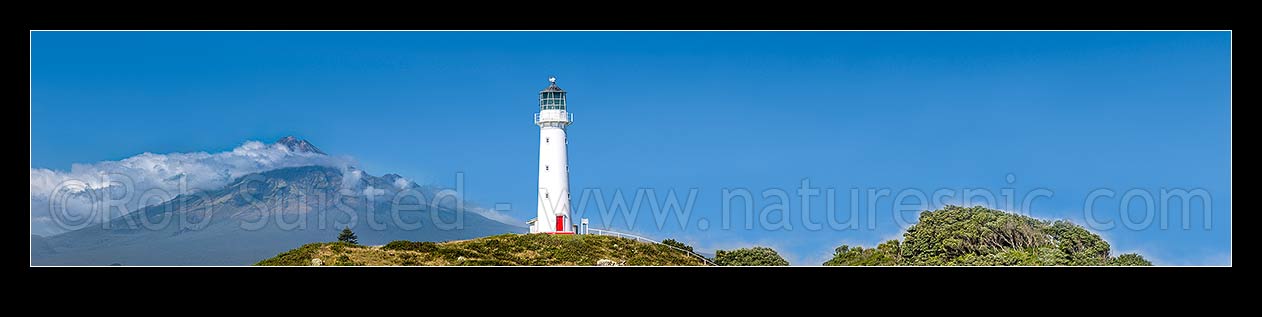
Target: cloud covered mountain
235,207
161,176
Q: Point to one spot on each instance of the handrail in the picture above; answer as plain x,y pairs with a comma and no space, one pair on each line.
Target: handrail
639,238
565,116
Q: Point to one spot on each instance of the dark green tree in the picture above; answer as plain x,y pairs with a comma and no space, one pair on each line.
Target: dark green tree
348,236
1077,245
1129,259
682,246
886,254
756,256
977,235
677,244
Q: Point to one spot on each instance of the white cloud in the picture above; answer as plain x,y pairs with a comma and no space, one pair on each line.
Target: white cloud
373,191
496,215
351,177
402,182
154,178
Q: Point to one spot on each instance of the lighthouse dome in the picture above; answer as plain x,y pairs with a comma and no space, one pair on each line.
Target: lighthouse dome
552,87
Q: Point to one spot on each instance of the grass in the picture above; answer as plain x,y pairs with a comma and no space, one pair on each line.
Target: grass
499,250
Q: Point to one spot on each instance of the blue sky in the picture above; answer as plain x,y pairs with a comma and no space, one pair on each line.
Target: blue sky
1070,112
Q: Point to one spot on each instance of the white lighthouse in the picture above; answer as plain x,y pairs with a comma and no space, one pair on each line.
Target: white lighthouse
554,168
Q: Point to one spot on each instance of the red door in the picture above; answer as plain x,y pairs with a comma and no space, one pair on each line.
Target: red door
560,223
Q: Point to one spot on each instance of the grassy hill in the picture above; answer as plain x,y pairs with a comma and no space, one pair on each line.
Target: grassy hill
504,249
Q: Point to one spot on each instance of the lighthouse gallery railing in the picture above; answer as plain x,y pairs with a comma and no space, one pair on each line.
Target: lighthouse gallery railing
643,239
565,116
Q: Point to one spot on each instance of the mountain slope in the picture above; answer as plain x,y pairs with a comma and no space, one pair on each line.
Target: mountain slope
260,214
506,249
298,145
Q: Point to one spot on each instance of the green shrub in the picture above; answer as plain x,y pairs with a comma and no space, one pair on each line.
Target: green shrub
756,256
1129,259
296,257
402,245
344,260
455,253
977,235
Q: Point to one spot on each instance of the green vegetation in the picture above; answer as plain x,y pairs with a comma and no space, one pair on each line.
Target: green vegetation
505,249
677,244
950,236
348,236
979,236
403,245
1129,259
682,246
756,256
303,255
884,254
